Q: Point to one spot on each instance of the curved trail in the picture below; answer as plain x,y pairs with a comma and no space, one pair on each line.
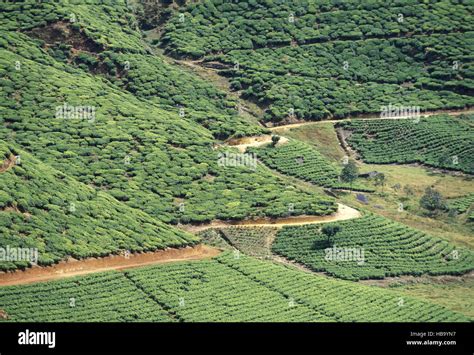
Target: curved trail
72,268
426,114
343,213
112,262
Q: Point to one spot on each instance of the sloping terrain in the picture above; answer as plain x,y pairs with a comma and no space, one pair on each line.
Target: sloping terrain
45,209
139,151
371,247
312,60
440,141
222,289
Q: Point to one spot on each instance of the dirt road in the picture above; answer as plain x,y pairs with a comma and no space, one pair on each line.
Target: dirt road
425,114
343,213
113,262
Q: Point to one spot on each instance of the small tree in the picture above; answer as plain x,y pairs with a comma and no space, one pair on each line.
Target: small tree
330,231
379,180
350,172
432,200
275,140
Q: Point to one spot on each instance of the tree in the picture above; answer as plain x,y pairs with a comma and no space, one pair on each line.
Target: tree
275,140
330,231
350,172
379,180
432,200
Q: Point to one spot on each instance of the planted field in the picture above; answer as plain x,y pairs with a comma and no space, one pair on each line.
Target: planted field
441,141
222,289
461,204
105,297
303,161
254,241
104,41
136,145
43,208
312,60
371,247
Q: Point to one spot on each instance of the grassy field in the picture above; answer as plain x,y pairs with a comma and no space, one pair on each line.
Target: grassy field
456,294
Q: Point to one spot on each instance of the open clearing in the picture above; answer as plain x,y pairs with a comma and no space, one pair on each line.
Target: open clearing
243,143
113,262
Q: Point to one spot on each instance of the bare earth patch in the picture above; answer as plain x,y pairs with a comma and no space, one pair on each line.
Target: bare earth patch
243,143
113,262
343,213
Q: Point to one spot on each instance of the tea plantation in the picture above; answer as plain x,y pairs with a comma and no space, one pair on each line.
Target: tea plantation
316,59
438,141
372,247
223,289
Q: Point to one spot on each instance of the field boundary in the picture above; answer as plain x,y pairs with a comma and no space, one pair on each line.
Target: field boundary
72,268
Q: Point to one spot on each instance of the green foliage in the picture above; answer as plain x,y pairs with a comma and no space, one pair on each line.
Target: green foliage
349,172
43,208
335,59
459,204
388,249
441,141
142,153
224,289
432,200
330,230
303,161
275,139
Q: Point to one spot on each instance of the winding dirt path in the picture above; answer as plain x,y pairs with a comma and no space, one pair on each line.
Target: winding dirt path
343,213
368,118
112,262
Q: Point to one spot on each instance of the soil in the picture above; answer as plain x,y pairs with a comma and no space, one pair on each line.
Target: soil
369,117
343,213
243,143
8,164
113,262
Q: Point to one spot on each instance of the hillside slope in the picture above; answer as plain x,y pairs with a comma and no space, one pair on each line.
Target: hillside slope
43,208
138,149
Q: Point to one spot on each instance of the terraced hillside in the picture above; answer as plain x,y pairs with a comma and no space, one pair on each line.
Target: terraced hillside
140,151
303,161
311,59
462,205
102,38
441,141
371,247
43,208
222,289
